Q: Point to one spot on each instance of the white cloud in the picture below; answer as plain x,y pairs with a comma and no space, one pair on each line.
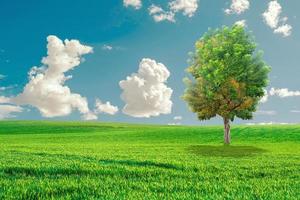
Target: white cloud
137,4
177,118
283,93
2,76
238,7
187,7
7,110
285,30
4,99
295,111
174,124
241,23
46,90
265,98
268,123
272,14
107,47
159,14
105,108
266,112
272,19
145,92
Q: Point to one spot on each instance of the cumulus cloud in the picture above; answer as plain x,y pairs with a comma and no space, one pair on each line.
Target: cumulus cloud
137,4
238,7
105,108
285,30
46,89
265,98
272,14
159,14
273,19
241,23
283,93
7,110
145,93
186,7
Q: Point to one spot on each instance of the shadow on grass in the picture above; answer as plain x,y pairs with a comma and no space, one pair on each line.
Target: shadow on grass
225,151
58,172
106,162
134,163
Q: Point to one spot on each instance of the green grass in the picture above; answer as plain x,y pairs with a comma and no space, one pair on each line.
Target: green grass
77,160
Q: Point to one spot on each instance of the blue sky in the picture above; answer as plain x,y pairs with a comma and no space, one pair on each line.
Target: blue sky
133,34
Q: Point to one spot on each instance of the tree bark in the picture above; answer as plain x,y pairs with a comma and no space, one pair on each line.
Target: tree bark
226,131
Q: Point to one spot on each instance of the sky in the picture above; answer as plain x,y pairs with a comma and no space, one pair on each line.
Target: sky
124,61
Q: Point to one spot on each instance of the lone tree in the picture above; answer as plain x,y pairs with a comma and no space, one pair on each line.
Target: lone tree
228,76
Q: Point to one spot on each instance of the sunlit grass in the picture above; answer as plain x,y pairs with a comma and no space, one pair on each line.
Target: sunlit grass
77,160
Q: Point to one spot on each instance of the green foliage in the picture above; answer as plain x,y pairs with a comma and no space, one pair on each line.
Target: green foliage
228,73
83,160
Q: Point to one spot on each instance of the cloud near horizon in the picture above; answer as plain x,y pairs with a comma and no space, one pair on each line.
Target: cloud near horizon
145,93
105,108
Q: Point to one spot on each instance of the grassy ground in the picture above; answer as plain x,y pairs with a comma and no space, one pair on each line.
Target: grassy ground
40,160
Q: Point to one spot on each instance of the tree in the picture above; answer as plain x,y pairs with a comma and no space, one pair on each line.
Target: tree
228,76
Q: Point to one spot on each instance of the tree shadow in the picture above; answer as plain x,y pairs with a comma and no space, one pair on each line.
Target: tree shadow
134,163
111,162
225,151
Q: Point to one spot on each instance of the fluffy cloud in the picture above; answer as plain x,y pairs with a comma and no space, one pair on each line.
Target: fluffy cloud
145,92
7,110
46,90
186,7
285,30
272,19
265,98
159,14
241,23
238,7
4,99
105,108
283,93
272,14
137,4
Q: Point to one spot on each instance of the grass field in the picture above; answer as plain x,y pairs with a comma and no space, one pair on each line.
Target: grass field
78,160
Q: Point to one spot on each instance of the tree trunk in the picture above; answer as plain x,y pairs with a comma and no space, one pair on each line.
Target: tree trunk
226,131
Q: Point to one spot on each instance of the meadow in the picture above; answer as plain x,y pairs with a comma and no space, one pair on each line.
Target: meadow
89,160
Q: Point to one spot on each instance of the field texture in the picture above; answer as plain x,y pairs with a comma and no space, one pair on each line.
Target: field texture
77,160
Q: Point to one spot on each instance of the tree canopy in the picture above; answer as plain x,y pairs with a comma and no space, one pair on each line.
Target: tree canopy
228,75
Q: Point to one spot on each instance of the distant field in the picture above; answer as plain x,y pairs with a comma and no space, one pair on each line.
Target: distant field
78,160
